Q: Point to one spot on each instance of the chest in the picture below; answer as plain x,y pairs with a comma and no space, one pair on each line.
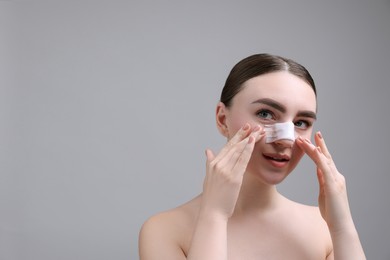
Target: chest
275,240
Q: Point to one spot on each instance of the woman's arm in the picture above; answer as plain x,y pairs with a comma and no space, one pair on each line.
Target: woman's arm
224,174
221,187
333,201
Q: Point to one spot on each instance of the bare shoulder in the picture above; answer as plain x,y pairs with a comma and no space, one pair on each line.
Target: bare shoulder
167,235
170,221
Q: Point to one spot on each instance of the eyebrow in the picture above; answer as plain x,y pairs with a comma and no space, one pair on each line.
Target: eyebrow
281,108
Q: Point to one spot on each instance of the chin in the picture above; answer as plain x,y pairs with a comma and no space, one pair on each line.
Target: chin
274,179
269,177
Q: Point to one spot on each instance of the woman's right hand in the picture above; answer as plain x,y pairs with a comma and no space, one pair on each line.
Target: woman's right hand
225,172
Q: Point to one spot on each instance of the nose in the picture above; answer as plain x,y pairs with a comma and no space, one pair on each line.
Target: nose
282,134
285,143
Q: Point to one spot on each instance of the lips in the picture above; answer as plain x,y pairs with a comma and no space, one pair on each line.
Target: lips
277,157
278,160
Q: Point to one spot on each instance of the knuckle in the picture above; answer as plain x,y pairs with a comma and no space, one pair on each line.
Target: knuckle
340,183
218,167
329,163
342,179
224,174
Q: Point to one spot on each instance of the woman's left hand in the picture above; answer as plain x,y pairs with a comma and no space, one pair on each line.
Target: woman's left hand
333,199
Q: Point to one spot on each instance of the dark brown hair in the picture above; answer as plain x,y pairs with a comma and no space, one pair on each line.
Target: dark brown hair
257,65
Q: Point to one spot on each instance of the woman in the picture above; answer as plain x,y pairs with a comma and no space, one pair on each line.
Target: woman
240,214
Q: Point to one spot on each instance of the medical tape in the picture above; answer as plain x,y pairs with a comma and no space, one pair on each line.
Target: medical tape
279,131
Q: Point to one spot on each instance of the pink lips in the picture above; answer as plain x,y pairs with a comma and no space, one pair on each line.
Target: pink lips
277,160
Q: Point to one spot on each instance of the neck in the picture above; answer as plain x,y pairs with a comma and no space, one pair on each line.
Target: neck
257,197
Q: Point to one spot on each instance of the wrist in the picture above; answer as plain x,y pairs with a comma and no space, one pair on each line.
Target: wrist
346,243
342,225
347,230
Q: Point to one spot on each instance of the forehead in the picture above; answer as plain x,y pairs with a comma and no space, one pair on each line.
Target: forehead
283,87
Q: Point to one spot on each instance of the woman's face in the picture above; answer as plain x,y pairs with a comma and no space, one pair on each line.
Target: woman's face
273,98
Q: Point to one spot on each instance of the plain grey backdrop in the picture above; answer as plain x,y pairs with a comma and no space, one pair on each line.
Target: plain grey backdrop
107,107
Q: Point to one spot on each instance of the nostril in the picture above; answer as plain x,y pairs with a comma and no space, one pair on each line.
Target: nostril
285,142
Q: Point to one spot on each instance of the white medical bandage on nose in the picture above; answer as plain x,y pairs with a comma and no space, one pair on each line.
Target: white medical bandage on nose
279,131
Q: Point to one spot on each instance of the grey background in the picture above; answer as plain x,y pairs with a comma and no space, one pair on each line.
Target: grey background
107,106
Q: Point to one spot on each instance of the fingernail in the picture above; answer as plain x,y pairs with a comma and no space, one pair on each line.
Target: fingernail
319,134
246,127
257,128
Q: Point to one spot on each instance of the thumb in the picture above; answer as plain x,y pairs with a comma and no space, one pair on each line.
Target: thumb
209,155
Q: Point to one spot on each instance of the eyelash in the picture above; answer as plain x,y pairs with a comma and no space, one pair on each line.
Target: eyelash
307,123
258,114
270,113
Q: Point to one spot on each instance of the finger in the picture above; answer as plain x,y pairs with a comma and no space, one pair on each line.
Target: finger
317,155
319,140
308,148
241,134
229,160
242,162
244,132
236,139
260,135
209,155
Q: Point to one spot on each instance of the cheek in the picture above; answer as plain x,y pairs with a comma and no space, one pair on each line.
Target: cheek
234,126
238,120
235,122
306,134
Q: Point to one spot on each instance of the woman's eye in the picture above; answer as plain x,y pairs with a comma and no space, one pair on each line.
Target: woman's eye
302,124
265,114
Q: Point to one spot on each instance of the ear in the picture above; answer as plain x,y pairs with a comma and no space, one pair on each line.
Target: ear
220,116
